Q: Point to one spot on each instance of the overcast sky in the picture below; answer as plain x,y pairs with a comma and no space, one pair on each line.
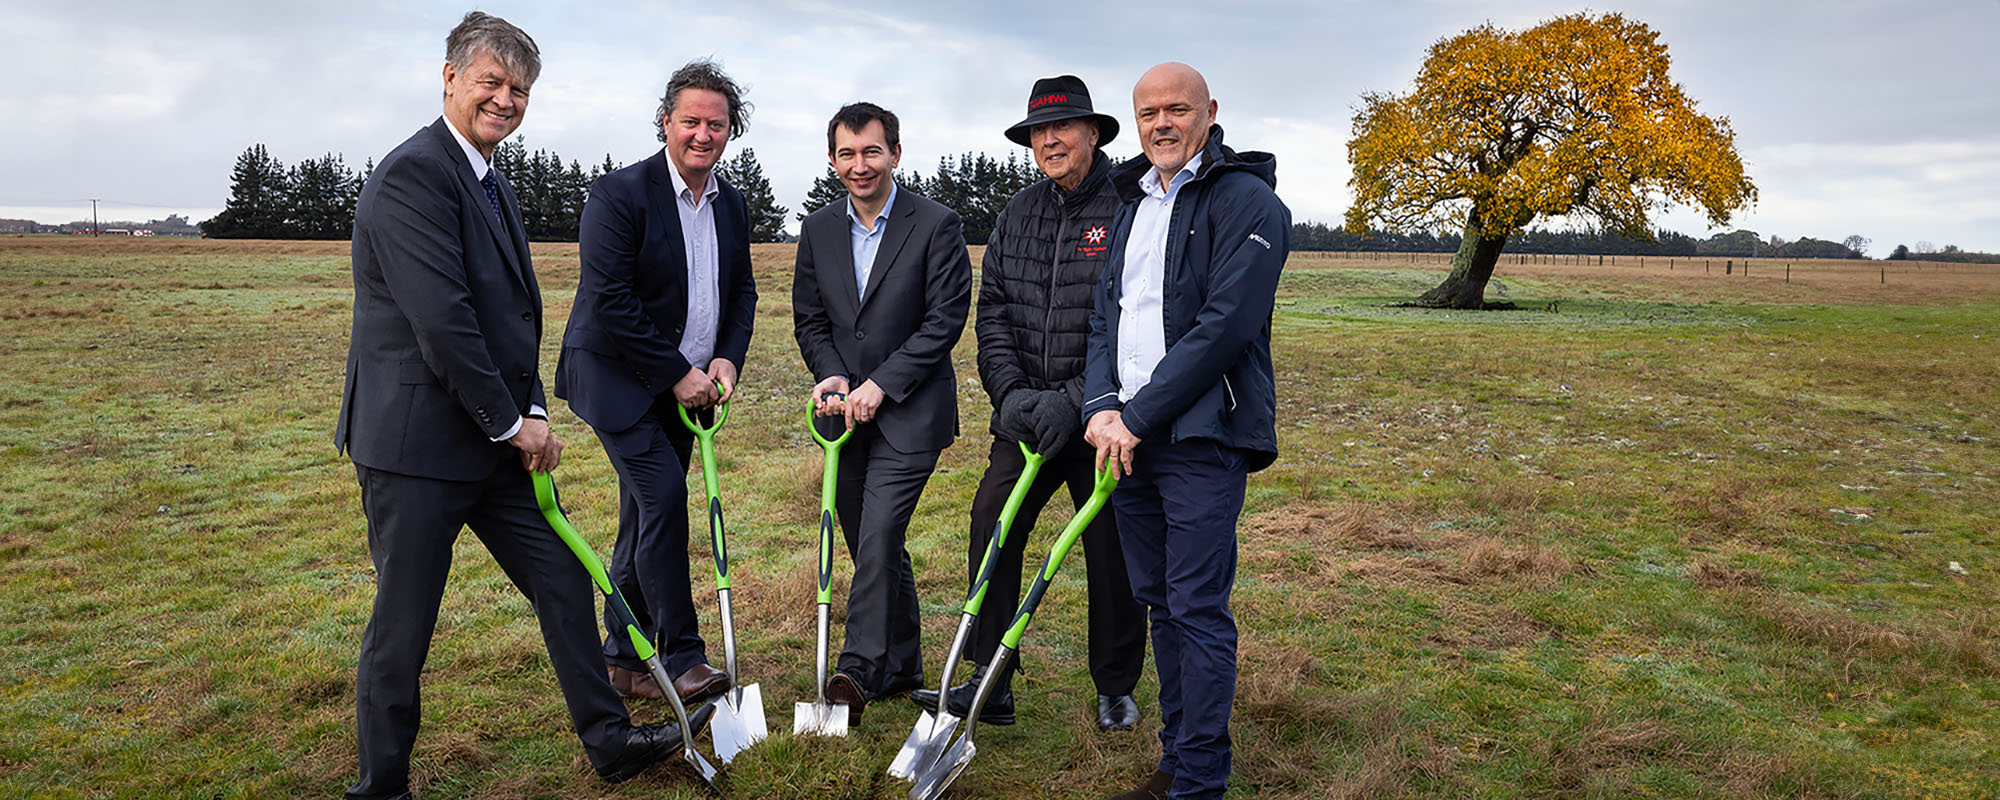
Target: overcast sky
1870,118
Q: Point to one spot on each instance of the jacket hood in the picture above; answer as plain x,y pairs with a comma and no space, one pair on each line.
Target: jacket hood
1216,158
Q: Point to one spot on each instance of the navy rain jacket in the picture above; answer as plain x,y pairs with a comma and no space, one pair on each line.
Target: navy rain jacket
1226,245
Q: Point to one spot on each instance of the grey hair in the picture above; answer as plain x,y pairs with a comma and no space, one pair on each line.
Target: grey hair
512,47
703,73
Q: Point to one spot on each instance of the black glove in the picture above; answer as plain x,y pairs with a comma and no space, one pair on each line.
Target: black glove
1056,420
1014,422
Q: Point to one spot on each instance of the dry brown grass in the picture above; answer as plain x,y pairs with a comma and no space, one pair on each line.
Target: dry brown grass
1533,564
1331,544
1715,576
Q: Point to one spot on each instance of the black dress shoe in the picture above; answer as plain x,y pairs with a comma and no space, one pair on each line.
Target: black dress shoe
999,709
649,743
1117,713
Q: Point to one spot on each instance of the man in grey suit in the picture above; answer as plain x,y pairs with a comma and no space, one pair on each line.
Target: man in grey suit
443,414
879,297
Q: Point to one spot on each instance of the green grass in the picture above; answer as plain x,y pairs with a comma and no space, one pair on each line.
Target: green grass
1643,545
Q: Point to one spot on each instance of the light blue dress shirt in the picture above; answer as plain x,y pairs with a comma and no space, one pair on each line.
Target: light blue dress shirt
1142,330
865,241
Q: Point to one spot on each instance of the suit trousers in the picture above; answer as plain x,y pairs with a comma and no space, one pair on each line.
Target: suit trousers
1117,622
1177,513
412,523
874,497
649,561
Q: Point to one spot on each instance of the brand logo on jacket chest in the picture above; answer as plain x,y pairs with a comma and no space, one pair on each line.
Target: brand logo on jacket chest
1093,244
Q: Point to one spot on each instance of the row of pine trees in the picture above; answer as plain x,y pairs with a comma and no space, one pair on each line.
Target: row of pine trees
314,199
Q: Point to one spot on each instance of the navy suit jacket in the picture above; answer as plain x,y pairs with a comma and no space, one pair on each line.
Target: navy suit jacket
622,346
900,332
447,318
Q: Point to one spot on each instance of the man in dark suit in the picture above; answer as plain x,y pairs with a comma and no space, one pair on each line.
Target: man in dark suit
879,296
443,414
662,317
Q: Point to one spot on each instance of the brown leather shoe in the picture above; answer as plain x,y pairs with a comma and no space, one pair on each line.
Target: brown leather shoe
633,683
1155,788
843,689
701,682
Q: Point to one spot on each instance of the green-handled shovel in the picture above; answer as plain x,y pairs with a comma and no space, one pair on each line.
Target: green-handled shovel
819,716
545,496
933,729
739,721
934,779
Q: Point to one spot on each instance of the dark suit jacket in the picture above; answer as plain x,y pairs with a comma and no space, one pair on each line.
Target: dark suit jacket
447,318
622,346
901,335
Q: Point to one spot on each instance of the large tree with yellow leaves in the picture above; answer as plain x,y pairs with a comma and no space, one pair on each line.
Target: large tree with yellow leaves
1575,118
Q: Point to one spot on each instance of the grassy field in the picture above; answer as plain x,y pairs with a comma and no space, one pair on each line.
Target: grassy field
1684,535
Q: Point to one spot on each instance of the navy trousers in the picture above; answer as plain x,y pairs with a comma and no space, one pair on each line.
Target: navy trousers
1177,514
649,560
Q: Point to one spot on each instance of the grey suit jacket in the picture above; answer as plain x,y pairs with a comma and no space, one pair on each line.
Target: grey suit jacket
901,335
447,318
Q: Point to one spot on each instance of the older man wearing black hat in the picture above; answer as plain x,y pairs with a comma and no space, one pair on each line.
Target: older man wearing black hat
1036,287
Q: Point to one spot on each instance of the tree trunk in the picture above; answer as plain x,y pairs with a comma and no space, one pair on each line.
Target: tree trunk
1471,268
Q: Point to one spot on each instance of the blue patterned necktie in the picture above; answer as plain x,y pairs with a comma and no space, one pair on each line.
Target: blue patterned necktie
492,193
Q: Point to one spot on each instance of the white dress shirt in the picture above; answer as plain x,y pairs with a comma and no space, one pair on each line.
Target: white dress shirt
1142,330
479,167
703,262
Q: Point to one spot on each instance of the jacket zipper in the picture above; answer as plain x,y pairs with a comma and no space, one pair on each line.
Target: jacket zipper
1055,262
1229,392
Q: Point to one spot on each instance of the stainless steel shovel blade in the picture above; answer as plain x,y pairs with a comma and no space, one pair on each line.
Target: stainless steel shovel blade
739,721
933,781
819,718
928,738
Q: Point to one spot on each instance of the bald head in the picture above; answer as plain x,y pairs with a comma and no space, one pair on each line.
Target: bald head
1173,111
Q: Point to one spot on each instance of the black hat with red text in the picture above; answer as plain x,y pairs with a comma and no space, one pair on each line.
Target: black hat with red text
1059,98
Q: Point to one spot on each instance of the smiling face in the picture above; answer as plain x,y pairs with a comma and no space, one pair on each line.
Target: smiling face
1173,109
483,102
1063,149
865,162
697,132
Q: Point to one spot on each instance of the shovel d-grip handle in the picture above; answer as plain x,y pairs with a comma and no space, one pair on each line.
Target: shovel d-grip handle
975,596
1098,497
545,497
705,441
828,482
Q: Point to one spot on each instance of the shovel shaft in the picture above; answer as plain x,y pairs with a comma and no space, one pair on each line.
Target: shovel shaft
819,656
545,498
1011,640
728,635
975,596
997,665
